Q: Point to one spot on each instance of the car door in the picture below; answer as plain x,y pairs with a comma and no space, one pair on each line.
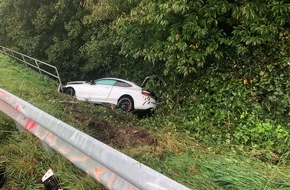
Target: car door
101,89
84,91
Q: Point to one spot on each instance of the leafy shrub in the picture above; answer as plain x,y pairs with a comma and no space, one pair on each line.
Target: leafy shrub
248,107
262,135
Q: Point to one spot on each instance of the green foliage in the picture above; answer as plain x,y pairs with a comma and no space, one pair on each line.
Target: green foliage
84,39
215,108
101,55
189,34
262,136
48,30
16,22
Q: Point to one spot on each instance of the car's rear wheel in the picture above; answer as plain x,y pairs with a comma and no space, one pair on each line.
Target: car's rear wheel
126,103
70,91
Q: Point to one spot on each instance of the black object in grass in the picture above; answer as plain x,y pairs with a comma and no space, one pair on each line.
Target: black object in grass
2,176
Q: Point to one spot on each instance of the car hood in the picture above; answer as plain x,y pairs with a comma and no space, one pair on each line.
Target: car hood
77,82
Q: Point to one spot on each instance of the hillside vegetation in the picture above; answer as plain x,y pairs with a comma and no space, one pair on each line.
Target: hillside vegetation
226,65
161,145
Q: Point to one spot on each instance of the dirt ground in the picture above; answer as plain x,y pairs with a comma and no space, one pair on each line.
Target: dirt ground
116,136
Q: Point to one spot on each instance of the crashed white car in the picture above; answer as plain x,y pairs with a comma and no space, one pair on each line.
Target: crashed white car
124,94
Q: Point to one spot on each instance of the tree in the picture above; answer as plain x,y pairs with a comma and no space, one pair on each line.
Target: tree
48,30
186,35
102,54
16,23
60,23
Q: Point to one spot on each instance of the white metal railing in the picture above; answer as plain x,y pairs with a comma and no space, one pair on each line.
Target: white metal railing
40,66
108,166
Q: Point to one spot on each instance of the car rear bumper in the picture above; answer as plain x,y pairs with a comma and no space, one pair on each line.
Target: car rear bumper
148,104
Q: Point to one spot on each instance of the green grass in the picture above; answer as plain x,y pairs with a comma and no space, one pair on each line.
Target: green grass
176,154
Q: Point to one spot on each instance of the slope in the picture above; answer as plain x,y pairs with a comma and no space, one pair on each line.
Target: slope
174,154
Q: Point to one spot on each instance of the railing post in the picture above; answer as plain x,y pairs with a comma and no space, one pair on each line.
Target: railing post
24,61
37,66
58,77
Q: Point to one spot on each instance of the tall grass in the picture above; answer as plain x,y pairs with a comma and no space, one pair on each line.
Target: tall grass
26,161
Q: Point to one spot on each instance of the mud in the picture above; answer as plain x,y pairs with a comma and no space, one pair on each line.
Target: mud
116,136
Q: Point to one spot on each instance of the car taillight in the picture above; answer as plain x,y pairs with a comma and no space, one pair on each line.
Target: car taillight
145,93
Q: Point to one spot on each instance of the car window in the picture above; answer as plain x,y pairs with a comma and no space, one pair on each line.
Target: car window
122,84
108,82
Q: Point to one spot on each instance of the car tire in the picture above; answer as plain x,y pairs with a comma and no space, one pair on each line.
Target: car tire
70,91
126,103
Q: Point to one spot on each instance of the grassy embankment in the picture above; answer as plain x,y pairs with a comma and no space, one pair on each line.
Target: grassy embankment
173,154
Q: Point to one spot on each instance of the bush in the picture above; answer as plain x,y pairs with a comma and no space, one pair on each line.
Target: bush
232,105
262,135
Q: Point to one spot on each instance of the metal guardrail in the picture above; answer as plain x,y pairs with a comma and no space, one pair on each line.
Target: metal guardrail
40,66
108,166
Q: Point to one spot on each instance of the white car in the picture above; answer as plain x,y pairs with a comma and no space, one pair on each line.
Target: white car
124,94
